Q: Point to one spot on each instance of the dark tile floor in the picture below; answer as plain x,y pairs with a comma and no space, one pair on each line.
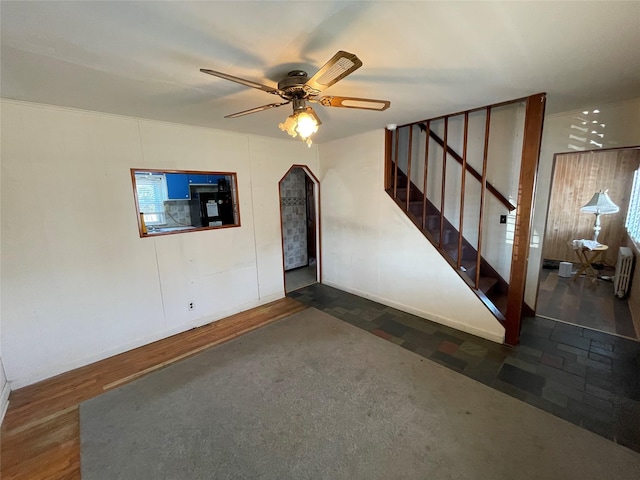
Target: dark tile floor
584,302
588,378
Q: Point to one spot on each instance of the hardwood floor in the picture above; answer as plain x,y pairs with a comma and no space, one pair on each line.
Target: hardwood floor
585,303
40,436
48,449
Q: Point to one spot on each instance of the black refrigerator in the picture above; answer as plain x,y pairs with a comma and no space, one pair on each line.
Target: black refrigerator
211,209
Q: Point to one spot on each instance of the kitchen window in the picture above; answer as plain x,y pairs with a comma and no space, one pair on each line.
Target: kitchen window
151,189
179,201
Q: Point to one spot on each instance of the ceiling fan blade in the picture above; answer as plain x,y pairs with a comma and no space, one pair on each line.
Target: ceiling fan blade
256,110
242,81
340,65
352,102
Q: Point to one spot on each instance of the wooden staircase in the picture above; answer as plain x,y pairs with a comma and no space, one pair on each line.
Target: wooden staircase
492,289
425,152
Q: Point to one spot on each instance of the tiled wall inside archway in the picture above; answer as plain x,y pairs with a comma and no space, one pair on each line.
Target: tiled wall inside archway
294,219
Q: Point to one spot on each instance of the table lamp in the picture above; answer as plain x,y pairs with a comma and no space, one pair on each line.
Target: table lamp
600,204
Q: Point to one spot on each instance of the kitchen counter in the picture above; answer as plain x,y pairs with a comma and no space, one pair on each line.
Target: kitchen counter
151,230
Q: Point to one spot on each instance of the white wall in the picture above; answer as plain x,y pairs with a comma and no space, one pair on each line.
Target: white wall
372,249
78,284
562,133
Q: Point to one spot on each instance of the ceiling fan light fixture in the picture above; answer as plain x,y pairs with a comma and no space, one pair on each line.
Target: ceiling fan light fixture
289,126
306,125
297,88
301,123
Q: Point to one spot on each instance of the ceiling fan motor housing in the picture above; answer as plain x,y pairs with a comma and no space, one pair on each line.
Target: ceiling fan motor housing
293,84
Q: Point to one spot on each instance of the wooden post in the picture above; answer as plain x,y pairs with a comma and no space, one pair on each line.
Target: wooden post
426,171
444,180
483,189
534,119
388,163
396,134
409,148
462,188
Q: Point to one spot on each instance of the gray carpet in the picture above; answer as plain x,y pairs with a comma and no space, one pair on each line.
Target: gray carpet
311,397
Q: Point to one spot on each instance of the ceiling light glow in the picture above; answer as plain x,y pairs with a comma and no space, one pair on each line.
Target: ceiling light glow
303,123
306,126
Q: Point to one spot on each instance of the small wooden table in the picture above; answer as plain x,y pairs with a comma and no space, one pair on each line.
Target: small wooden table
586,257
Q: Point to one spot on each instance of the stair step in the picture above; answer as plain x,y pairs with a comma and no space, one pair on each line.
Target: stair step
433,222
415,207
401,194
467,261
449,248
468,266
486,284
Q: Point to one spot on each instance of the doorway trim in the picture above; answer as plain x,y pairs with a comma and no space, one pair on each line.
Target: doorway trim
546,217
546,220
316,194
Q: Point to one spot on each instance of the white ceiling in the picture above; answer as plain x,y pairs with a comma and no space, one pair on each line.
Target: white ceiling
428,58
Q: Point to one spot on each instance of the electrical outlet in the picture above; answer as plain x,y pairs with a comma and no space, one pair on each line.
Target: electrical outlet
503,219
192,306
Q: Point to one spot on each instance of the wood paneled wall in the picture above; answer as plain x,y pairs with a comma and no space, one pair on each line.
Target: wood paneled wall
576,177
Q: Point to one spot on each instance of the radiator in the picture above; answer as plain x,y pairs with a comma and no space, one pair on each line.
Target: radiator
622,277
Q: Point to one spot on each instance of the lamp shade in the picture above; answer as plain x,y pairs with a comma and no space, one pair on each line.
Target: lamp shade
303,122
600,203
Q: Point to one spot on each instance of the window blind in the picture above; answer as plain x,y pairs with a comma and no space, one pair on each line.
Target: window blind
152,193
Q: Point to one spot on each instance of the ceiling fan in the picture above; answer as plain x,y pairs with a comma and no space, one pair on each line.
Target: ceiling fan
299,89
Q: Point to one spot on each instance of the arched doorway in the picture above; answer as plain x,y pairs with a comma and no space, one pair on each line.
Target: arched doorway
300,226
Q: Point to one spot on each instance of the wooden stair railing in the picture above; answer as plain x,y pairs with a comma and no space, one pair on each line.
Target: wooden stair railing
474,173
488,285
431,221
